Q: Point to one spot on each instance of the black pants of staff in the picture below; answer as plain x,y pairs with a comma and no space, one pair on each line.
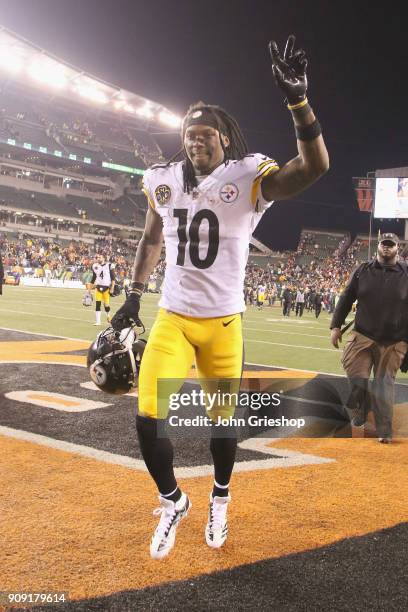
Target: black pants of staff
299,308
286,308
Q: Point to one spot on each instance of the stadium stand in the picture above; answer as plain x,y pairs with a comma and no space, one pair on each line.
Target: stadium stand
71,165
27,253
73,158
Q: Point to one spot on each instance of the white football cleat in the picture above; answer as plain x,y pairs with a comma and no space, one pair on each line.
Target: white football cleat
170,515
216,530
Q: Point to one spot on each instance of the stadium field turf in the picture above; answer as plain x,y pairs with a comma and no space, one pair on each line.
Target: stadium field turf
270,338
316,522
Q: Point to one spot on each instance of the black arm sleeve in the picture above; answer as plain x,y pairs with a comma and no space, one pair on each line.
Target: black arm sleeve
347,298
93,279
112,274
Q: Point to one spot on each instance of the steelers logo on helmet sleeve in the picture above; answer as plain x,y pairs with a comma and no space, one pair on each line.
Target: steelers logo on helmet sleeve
229,193
163,194
98,375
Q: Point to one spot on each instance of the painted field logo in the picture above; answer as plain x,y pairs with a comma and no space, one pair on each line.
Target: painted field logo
56,401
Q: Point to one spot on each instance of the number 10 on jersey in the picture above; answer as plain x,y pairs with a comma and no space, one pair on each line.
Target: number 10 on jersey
191,235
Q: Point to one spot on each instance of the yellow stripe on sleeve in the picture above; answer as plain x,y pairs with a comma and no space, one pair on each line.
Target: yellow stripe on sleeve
149,199
269,163
258,180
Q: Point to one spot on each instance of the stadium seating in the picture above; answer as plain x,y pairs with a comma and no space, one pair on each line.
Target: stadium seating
34,135
132,209
80,131
28,121
316,245
20,199
95,211
70,206
107,134
120,156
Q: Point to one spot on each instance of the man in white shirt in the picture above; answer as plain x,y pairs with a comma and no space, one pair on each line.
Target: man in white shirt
300,302
103,281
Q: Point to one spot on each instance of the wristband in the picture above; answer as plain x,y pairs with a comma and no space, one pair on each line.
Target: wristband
308,132
298,104
301,112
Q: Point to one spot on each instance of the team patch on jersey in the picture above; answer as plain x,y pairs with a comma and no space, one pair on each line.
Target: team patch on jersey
229,193
163,194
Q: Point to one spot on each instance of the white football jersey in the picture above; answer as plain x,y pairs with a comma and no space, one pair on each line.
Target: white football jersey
102,274
207,233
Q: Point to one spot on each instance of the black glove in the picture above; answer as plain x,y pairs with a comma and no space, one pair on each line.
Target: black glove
290,71
128,314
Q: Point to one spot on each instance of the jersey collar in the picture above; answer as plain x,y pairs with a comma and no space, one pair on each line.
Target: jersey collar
209,181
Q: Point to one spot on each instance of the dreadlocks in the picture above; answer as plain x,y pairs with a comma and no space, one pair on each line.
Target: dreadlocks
225,124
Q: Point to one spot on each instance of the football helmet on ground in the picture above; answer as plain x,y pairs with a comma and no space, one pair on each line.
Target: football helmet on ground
114,360
87,299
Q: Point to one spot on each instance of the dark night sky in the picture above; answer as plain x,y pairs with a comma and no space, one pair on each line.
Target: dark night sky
180,51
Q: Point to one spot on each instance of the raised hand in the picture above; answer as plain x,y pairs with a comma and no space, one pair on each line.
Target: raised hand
290,70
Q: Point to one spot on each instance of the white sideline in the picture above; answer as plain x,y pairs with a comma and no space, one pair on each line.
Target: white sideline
312,348
284,457
246,340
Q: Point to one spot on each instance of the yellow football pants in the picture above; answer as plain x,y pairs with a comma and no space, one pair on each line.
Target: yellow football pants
102,296
175,341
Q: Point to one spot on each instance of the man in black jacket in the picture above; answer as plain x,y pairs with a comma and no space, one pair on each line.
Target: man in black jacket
287,301
379,338
318,303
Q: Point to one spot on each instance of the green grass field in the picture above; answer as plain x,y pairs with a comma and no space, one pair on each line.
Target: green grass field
270,339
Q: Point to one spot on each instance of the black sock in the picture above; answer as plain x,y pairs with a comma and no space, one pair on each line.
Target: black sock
223,452
158,456
220,491
174,496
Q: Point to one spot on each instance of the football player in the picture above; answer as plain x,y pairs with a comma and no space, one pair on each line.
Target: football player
103,280
206,208
260,296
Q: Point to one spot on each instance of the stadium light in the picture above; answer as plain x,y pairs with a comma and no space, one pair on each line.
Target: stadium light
48,72
10,59
92,93
145,111
169,119
123,105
